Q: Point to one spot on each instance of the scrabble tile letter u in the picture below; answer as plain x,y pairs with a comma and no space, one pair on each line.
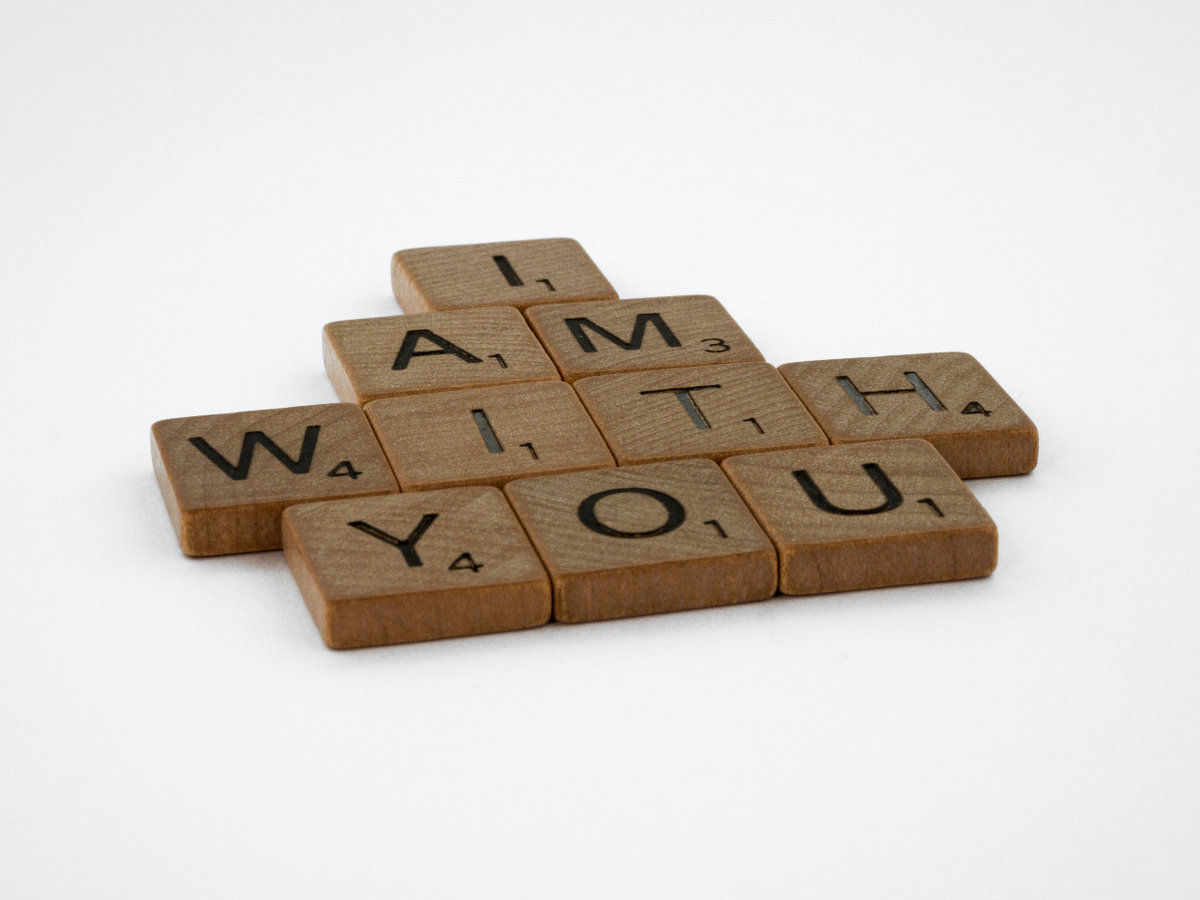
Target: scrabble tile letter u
865,515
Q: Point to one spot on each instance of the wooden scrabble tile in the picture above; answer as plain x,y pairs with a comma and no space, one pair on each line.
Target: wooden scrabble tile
609,336
509,273
368,359
865,515
711,411
948,399
227,478
486,435
415,567
644,539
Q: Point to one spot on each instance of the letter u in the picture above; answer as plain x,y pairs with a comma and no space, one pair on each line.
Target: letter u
892,498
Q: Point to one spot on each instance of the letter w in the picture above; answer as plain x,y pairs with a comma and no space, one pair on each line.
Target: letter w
252,439
576,325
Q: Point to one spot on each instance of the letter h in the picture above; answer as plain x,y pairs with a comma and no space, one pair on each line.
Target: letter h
919,387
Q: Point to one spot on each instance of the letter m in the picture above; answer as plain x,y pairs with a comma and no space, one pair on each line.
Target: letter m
251,440
578,324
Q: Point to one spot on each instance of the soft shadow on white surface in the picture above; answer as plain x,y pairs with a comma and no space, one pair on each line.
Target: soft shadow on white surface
190,194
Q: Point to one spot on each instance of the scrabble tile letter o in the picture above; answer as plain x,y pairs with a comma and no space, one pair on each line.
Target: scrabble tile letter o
644,539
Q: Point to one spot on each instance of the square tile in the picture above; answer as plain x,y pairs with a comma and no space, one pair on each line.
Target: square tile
644,539
711,411
633,335
415,567
486,435
948,399
227,478
368,359
865,515
507,273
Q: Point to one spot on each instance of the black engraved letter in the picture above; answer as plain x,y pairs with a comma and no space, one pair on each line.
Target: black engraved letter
919,387
675,513
408,546
892,498
250,440
688,402
408,349
577,324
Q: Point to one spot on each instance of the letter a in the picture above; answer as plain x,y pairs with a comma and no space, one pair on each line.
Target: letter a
408,349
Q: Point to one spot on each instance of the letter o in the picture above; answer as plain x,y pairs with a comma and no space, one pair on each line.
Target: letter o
675,513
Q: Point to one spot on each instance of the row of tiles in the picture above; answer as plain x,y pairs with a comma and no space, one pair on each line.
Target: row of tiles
946,398
468,394
372,359
635,540
222,501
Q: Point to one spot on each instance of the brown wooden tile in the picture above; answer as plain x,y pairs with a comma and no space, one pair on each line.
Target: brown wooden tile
415,567
486,435
368,359
711,411
865,516
644,539
227,478
948,399
633,335
508,273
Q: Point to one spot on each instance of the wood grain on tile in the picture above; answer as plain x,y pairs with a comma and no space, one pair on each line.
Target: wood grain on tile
710,411
865,515
487,435
507,273
948,399
633,335
227,478
368,359
415,567
644,539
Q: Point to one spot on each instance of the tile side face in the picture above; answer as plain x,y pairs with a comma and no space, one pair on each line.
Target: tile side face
636,335
507,273
644,539
227,478
948,399
415,567
866,515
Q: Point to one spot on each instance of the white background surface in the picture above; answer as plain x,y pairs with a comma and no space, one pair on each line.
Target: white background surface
191,192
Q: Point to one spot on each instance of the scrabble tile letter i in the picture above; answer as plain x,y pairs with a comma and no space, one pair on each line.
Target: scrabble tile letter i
510,273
